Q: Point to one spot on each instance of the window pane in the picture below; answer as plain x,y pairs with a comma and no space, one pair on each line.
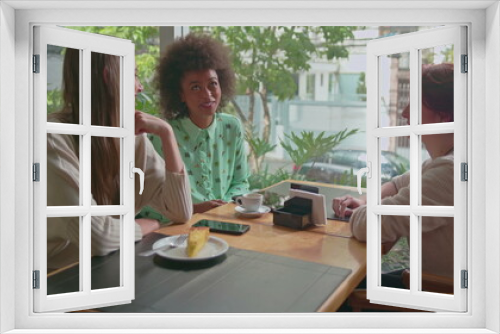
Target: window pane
394,94
105,170
106,239
333,86
438,55
310,86
437,254
437,84
106,89
63,235
59,86
437,187
394,162
63,154
395,254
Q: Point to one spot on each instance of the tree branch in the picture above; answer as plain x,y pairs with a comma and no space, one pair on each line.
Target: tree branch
239,111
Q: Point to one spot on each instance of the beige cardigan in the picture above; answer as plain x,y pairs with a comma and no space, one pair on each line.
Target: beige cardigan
169,193
437,232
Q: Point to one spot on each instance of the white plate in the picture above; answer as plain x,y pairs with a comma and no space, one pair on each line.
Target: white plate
252,214
213,248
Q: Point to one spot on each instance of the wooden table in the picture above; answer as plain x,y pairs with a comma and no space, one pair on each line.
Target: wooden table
331,245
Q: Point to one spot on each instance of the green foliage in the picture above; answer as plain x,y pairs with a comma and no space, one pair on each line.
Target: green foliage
144,102
448,54
273,200
140,36
348,178
54,101
401,168
258,147
308,147
147,53
268,56
427,56
361,89
264,178
398,257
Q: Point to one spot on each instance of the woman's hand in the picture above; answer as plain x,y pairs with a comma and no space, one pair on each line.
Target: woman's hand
146,123
148,225
345,205
208,205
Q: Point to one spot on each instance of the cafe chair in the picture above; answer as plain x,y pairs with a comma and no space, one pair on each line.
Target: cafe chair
431,283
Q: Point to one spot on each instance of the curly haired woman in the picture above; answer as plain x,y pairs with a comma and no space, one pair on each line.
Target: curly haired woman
196,81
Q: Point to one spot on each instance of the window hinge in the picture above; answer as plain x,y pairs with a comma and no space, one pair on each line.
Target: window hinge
465,64
36,63
36,172
465,171
36,279
465,279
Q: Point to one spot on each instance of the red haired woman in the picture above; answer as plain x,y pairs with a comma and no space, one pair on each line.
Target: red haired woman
437,183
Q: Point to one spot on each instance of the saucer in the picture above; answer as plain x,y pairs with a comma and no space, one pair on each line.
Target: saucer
252,214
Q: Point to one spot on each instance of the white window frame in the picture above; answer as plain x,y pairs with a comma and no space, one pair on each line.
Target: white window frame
483,20
86,43
414,43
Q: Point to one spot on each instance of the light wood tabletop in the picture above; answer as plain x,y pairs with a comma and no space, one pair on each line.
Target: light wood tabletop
330,245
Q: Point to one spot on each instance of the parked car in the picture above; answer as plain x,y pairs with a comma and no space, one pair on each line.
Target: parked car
338,164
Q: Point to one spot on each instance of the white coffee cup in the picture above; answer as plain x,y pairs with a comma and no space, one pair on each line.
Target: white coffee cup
250,202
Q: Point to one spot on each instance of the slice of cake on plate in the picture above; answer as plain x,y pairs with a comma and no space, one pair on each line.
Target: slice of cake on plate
197,238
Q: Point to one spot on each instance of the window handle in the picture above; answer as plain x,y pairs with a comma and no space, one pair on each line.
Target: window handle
141,175
368,171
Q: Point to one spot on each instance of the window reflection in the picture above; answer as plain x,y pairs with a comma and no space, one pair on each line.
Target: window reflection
437,254
395,254
66,153
437,187
105,90
63,154
106,238
63,85
63,233
105,156
395,162
394,94
437,85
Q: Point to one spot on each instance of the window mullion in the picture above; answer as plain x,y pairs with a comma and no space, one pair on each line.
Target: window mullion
415,258
405,210
85,242
373,196
127,155
415,98
123,225
85,165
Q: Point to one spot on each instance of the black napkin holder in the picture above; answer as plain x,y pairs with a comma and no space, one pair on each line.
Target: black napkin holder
296,213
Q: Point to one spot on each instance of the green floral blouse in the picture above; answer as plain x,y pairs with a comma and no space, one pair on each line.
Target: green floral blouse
214,159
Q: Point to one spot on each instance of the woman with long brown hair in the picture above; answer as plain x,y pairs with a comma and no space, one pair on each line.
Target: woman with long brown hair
166,185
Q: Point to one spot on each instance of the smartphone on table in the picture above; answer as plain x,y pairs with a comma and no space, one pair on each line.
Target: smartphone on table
223,227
